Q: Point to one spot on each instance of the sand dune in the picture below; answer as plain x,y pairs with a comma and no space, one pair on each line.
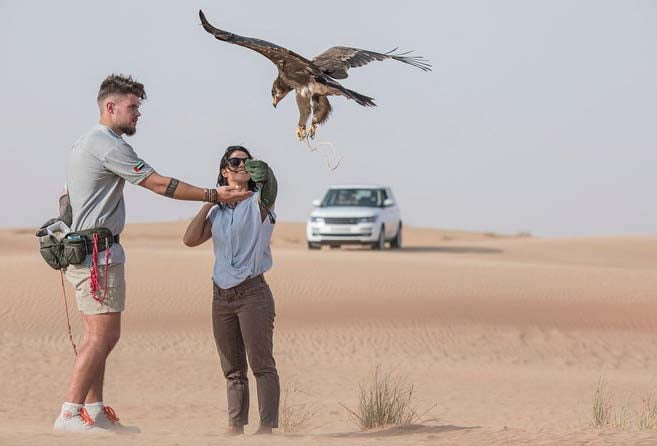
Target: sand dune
504,338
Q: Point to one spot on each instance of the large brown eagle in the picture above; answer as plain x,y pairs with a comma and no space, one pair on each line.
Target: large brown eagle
313,80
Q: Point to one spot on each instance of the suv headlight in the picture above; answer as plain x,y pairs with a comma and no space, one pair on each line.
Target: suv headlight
317,219
367,220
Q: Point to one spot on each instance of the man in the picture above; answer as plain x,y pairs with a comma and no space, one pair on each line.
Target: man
100,163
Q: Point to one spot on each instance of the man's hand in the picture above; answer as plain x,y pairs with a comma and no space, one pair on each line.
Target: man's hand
231,194
257,169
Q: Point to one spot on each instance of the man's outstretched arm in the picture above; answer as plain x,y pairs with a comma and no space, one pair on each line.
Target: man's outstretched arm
179,190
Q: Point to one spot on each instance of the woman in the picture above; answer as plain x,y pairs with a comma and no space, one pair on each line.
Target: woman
242,304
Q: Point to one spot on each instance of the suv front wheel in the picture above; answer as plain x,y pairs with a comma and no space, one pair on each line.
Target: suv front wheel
381,242
396,242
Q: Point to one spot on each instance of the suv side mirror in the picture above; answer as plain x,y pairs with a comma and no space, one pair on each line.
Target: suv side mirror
316,203
388,202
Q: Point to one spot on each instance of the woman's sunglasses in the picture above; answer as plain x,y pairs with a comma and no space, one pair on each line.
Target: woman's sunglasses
234,163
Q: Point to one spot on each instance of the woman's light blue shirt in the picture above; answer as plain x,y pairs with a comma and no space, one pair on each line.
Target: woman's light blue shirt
241,242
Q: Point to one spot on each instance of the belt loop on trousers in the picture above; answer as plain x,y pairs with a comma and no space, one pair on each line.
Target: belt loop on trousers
234,291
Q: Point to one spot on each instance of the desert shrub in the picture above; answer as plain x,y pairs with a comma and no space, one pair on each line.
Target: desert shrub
384,400
647,416
295,416
601,405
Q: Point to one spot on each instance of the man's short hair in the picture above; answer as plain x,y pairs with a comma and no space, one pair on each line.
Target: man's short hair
121,85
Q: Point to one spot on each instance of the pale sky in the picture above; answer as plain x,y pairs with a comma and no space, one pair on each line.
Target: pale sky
538,116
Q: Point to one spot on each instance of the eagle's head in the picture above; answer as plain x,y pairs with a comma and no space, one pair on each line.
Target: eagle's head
279,90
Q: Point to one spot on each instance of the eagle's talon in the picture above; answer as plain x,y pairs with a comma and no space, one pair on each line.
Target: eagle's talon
312,131
301,133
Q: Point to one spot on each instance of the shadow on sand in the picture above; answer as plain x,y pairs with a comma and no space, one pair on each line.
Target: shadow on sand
395,431
452,249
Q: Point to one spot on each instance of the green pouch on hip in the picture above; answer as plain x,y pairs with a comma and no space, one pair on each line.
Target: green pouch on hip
52,252
74,249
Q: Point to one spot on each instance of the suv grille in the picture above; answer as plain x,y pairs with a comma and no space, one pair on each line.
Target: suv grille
341,220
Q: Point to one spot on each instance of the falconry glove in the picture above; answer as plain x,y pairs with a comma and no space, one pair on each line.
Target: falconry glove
262,174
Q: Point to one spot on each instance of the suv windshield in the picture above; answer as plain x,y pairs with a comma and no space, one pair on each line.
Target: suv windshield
353,197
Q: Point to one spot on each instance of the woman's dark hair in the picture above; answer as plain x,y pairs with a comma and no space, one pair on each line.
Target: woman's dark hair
221,181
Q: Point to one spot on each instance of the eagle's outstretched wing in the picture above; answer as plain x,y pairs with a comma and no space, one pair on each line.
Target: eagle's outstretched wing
286,60
336,61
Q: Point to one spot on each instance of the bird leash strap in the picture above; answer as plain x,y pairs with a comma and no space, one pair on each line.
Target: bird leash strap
68,320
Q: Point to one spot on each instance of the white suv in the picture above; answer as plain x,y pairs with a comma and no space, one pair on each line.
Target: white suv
355,214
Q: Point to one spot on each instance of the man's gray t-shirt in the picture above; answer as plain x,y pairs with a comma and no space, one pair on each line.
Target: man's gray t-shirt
100,163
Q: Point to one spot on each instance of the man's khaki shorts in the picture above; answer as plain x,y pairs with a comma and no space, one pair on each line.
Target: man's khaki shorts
114,302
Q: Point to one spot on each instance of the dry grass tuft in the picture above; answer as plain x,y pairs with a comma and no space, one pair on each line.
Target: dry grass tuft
601,405
295,416
385,400
621,419
604,415
647,416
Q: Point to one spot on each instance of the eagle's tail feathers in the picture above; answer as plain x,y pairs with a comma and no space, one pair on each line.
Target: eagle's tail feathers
361,99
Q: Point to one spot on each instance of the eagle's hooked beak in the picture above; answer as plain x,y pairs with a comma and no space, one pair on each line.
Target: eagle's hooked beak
274,102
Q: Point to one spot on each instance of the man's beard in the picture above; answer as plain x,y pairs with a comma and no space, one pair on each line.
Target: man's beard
128,130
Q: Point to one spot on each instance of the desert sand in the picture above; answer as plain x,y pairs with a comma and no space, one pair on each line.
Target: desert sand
503,338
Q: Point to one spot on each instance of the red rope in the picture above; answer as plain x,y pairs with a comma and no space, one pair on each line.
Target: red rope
93,284
68,321
93,273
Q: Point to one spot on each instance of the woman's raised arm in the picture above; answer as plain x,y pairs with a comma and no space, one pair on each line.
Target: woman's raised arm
200,229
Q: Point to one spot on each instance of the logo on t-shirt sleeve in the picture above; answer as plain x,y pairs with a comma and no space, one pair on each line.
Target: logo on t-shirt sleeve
140,165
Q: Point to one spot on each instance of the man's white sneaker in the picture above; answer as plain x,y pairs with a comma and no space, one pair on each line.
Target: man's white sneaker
74,420
107,419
